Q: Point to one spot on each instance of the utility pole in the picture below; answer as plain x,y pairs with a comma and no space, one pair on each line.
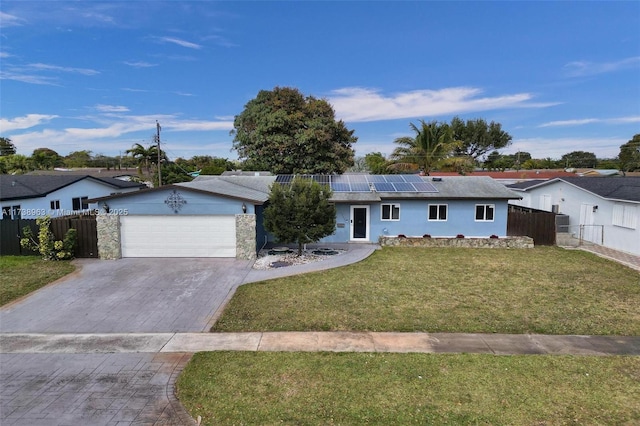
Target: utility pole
159,164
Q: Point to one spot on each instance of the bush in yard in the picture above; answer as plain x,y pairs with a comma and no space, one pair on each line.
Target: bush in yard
46,245
300,212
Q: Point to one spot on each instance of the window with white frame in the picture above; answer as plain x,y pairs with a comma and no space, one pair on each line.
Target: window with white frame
438,212
485,212
625,215
390,212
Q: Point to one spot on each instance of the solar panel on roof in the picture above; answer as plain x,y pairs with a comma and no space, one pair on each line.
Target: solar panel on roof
340,187
322,179
384,187
412,178
339,179
360,187
424,187
404,187
376,178
357,178
394,178
284,178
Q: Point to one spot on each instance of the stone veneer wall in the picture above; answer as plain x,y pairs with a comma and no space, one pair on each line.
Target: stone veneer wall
108,236
504,242
246,236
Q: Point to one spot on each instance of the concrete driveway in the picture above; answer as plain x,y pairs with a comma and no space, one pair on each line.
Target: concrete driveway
124,296
129,296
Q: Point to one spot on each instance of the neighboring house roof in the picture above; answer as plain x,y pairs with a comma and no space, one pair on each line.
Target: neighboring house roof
513,175
88,171
518,186
610,188
244,173
19,187
599,172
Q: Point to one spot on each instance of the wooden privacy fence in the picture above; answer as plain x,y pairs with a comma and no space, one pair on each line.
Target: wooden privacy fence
539,225
86,227
11,233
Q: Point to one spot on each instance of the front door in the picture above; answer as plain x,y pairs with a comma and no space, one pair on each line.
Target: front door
359,223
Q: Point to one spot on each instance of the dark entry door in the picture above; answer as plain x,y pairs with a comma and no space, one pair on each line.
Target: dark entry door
359,225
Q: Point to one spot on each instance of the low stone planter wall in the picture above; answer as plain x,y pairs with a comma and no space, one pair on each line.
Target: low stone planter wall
504,242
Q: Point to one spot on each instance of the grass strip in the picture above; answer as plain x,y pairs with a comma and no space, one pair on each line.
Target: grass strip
258,388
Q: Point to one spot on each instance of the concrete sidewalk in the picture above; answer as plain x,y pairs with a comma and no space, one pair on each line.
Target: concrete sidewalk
498,344
627,259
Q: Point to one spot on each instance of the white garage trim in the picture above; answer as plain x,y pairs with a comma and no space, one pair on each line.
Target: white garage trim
178,236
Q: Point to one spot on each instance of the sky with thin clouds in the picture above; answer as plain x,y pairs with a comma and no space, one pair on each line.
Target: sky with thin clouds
558,76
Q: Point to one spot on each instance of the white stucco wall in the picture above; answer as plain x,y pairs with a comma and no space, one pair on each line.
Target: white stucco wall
580,206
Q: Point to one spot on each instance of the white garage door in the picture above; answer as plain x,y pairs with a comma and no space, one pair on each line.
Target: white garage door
178,236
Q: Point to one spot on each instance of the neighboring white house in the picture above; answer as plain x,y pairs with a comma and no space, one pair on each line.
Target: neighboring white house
28,196
601,210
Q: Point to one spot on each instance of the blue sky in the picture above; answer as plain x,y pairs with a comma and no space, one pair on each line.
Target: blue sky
89,75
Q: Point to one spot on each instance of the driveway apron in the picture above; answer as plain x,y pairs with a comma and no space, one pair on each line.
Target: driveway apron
129,295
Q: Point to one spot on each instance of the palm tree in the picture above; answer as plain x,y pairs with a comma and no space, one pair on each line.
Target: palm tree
144,156
432,143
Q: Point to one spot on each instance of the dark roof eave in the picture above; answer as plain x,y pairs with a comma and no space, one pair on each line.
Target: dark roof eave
145,191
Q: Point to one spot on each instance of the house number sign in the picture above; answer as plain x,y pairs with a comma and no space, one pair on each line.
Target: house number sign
175,201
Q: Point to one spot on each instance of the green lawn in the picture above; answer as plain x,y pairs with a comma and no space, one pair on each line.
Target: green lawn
544,290
23,274
258,388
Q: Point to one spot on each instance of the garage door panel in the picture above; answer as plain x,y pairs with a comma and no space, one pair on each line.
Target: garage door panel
178,236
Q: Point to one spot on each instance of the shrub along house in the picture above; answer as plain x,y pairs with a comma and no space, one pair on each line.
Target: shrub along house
221,216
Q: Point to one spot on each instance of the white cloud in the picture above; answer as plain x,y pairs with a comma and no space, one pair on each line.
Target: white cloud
183,94
582,121
111,108
25,122
112,131
27,78
180,42
354,104
584,68
7,20
5,55
48,67
140,64
570,122
198,125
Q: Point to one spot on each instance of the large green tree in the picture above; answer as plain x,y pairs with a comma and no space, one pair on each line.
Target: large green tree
46,158
432,144
285,132
78,159
377,163
300,212
6,147
580,159
629,156
477,137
